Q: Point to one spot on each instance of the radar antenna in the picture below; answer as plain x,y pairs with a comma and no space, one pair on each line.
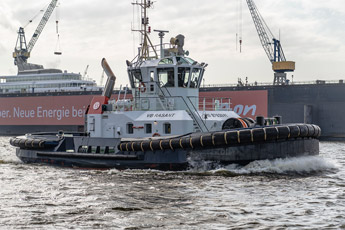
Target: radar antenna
161,34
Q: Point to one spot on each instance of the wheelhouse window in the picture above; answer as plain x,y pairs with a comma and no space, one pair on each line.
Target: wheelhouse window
130,128
195,78
191,61
152,76
167,128
166,61
183,76
148,128
181,60
166,77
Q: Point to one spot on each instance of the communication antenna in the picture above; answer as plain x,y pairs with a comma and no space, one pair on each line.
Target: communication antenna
145,30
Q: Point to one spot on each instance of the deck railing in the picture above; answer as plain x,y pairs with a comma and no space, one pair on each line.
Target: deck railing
253,84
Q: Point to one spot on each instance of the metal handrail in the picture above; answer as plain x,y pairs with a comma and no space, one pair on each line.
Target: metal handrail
157,83
196,111
315,82
188,108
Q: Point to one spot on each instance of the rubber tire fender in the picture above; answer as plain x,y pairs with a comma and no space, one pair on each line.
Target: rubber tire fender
165,144
175,143
245,136
156,144
271,133
259,135
146,145
231,137
218,139
283,132
294,131
206,140
196,141
311,130
317,132
137,146
304,130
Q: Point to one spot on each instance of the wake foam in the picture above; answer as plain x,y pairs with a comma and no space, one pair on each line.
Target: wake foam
290,166
9,159
8,154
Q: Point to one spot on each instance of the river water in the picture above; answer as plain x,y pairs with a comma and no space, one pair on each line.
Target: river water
298,193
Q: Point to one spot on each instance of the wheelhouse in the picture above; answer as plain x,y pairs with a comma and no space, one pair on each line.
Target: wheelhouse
168,72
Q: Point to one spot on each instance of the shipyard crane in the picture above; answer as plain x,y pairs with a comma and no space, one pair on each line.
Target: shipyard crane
85,72
271,46
22,50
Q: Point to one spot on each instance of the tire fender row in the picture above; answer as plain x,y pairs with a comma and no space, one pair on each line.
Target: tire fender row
225,138
27,143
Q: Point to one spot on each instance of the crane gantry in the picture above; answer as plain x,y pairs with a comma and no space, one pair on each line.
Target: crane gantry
22,51
272,46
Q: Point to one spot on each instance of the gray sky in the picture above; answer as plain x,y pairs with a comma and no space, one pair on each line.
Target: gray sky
312,34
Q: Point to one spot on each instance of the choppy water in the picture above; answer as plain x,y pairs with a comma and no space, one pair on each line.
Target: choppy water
305,193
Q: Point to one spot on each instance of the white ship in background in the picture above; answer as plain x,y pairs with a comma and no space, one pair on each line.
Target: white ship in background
34,78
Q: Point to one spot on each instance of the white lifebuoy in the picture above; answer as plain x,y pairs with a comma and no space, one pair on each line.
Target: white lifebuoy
156,135
142,87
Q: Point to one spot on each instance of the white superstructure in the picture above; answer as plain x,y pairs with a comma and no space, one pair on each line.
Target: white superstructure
165,90
45,80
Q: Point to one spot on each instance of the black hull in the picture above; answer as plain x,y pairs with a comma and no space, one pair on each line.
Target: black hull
239,146
103,161
244,154
175,160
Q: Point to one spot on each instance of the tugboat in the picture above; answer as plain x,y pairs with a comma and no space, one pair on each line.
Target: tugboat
165,125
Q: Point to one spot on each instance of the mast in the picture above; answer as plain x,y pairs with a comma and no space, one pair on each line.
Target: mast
146,44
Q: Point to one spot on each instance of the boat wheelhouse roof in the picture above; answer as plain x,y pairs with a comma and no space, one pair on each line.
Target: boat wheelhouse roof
171,60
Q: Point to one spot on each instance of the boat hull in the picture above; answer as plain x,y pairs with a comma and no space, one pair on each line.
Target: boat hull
167,161
181,159
244,154
239,146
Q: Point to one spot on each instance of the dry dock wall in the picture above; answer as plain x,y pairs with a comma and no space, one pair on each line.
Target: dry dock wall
320,104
